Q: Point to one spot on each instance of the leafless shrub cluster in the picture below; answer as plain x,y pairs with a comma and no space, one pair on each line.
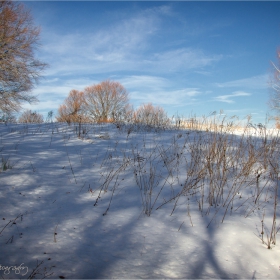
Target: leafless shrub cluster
107,102
71,110
152,116
104,102
31,117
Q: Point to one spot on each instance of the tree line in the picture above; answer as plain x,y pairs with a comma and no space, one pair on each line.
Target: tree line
108,102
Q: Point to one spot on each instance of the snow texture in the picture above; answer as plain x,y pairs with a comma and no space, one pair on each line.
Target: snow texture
76,207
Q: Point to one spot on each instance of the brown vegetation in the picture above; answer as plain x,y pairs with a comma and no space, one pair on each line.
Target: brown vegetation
106,102
71,110
31,117
19,70
151,115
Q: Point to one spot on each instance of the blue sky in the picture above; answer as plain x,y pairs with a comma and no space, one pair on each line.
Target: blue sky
188,57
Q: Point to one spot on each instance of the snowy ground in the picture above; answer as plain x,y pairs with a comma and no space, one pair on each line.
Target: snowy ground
56,189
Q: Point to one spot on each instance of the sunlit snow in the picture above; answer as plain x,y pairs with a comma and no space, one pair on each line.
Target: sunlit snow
73,207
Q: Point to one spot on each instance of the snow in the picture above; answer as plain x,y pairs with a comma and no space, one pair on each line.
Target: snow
77,205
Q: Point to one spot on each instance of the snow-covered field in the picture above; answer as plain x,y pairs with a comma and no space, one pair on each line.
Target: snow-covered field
131,203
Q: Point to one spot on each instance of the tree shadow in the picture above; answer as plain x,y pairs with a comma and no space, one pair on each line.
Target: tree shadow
61,226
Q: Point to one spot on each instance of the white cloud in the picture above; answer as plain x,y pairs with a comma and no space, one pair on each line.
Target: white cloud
184,58
158,90
43,106
172,97
144,82
124,45
229,98
109,48
256,82
179,97
59,88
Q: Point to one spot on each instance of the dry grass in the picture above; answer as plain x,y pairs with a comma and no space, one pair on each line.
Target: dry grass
208,164
221,166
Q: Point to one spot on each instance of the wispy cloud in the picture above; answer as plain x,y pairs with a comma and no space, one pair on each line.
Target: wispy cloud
158,90
256,82
124,45
230,97
60,88
144,82
173,97
184,58
43,106
52,92
107,49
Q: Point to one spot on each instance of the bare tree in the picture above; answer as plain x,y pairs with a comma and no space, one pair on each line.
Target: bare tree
31,117
19,70
151,115
274,101
71,110
106,102
128,114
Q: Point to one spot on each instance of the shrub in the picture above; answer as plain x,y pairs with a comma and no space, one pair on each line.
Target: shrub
148,114
31,117
106,102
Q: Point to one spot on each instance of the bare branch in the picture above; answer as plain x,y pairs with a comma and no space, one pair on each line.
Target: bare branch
150,115
71,110
106,102
19,70
31,117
